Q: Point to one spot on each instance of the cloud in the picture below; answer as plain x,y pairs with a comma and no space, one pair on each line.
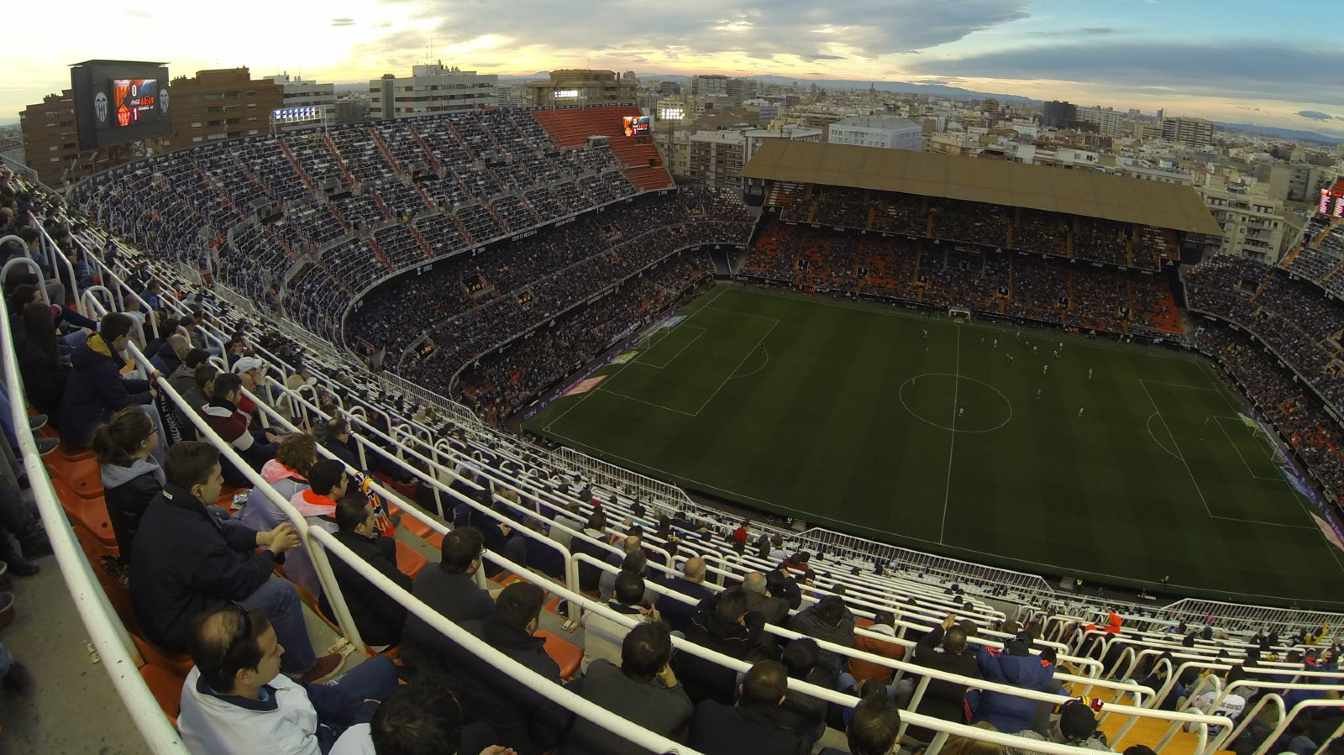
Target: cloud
1235,70
1086,31
755,28
1314,115
342,21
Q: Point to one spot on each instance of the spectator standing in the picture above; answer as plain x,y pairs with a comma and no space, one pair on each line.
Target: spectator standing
1016,665
943,699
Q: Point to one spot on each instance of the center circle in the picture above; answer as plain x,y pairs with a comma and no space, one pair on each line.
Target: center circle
980,407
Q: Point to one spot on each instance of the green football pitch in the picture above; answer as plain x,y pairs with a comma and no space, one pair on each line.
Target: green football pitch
973,440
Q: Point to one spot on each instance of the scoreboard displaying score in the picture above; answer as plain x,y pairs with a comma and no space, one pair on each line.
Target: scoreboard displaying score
119,101
635,125
1332,200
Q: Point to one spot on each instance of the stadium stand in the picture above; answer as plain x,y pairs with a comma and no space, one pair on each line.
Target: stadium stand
430,465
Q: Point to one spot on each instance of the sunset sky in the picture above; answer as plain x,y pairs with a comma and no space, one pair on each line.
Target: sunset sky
1278,63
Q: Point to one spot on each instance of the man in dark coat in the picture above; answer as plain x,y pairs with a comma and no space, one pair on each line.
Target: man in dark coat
691,583
721,623
755,724
522,718
944,699
189,558
94,388
450,588
377,615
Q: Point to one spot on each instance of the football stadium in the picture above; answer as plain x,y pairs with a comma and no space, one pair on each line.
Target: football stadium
478,431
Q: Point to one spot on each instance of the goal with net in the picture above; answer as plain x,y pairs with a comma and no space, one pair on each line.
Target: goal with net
959,314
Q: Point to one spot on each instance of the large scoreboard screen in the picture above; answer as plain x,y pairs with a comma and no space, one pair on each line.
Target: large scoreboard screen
119,101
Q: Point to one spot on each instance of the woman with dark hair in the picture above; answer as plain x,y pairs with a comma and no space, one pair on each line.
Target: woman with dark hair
94,388
131,477
40,359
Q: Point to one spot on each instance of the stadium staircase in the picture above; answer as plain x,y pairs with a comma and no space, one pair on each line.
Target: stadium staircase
347,178
640,161
426,152
294,163
420,239
384,151
378,252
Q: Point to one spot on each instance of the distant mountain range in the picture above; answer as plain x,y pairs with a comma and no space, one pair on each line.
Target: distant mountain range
1281,133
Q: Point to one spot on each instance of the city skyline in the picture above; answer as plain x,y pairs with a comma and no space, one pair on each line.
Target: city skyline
1253,67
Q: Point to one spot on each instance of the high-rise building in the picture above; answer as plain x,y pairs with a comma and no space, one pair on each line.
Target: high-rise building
51,142
717,157
1193,132
709,85
1109,122
1251,220
887,132
431,88
352,110
578,86
1057,114
300,93
225,103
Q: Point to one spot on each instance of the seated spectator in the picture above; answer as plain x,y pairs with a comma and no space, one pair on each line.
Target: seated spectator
327,483
416,722
942,698
590,576
233,425
603,636
1018,667
721,623
884,623
755,724
377,615
44,374
183,380
775,610
235,700
288,474
1077,726
451,588
631,545
334,435
783,586
131,476
830,620
873,728
522,718
806,715
691,583
642,689
95,388
189,558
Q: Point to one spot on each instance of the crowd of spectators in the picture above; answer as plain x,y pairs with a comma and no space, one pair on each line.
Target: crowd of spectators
470,305
977,223
993,282
354,201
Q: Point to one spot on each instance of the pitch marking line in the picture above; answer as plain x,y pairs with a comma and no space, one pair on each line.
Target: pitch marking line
1158,442
1217,420
1177,448
747,356
610,392
664,365
758,370
1198,489
549,426
952,446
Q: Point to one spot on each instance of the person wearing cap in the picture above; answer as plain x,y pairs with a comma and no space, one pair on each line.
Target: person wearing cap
1015,665
1077,726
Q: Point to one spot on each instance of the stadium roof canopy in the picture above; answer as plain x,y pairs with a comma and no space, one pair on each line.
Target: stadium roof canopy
1038,187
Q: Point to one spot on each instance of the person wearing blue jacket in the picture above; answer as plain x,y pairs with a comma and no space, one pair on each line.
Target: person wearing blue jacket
1015,665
